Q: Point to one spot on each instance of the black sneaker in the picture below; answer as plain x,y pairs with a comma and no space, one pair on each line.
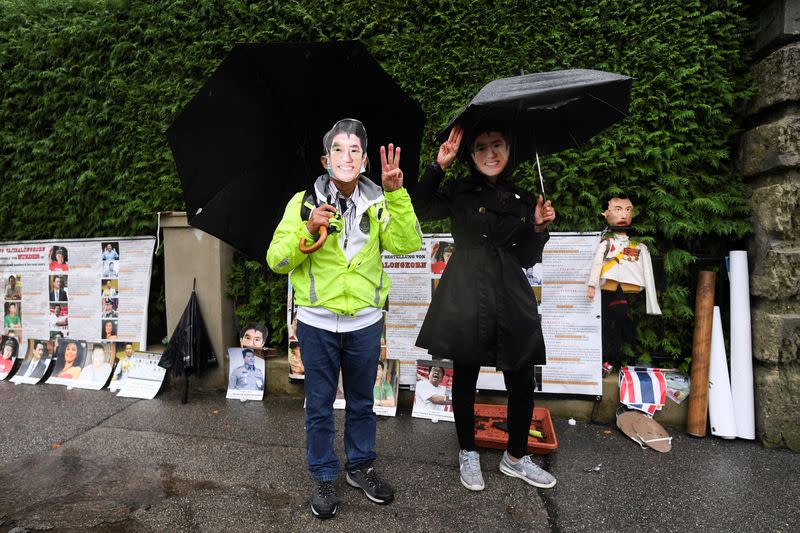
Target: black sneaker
367,480
323,500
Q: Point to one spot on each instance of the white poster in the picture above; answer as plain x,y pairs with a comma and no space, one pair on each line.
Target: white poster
144,376
247,375
409,299
433,391
570,322
89,289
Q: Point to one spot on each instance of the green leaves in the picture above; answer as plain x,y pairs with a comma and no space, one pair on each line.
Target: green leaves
87,89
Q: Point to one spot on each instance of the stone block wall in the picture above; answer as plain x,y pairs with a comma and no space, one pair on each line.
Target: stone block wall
770,159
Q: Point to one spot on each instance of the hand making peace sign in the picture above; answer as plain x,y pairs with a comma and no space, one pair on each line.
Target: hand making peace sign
391,175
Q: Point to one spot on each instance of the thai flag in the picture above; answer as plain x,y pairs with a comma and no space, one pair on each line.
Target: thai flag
642,388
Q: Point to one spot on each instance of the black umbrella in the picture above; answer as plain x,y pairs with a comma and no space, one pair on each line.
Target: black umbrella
189,349
252,136
547,112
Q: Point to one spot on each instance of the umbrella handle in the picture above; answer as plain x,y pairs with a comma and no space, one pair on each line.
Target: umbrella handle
323,235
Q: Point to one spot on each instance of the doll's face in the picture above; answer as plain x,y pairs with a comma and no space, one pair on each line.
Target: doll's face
619,212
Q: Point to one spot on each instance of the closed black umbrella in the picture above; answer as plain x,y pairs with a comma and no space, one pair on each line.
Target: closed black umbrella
189,350
547,112
252,136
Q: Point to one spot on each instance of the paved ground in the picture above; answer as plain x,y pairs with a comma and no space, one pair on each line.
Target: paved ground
88,461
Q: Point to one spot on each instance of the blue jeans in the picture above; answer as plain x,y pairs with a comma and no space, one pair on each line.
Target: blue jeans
357,354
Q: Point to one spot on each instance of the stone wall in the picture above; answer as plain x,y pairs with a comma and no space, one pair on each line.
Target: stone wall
770,158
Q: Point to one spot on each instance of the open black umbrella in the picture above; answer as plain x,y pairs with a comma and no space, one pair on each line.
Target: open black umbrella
547,112
252,136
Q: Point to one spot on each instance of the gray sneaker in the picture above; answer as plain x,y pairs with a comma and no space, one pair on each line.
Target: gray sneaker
527,471
469,463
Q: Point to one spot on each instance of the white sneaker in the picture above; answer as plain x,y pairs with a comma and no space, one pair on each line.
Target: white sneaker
527,471
469,464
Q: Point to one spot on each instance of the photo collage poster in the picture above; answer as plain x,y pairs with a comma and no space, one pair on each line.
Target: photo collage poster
75,309
96,290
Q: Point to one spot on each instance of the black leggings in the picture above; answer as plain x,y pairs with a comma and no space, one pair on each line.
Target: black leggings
519,384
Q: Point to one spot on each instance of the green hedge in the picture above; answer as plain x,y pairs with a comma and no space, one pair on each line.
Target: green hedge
87,89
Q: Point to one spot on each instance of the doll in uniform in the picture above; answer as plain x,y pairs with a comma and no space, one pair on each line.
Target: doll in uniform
622,269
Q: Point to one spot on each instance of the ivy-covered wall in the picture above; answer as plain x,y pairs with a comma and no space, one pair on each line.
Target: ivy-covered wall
87,88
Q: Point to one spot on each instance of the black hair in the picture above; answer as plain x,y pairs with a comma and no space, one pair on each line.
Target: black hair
380,364
57,250
256,326
11,341
350,126
293,345
60,360
248,350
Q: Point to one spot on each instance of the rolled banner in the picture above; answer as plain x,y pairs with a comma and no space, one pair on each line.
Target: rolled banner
697,417
720,401
741,346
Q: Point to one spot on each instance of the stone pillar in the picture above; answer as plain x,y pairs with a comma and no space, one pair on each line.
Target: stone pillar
770,159
191,254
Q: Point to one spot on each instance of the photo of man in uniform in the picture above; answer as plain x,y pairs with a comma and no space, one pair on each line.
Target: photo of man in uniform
247,376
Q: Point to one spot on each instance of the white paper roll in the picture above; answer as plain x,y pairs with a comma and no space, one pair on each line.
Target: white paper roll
720,401
741,346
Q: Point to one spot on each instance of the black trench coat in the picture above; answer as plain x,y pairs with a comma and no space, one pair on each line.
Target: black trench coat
484,311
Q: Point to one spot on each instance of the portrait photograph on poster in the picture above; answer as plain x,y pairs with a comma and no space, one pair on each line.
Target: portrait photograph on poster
296,370
111,269
109,288
108,330
145,377
58,318
110,251
9,351
13,287
440,253
109,308
59,259
12,315
247,375
123,353
59,290
386,387
97,367
70,358
433,391
36,362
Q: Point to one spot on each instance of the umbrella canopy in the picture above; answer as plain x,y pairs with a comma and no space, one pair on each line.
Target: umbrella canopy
252,136
547,112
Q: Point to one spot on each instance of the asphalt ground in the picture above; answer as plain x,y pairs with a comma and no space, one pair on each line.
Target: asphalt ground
80,460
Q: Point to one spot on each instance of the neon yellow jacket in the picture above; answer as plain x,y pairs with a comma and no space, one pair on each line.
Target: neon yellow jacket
324,278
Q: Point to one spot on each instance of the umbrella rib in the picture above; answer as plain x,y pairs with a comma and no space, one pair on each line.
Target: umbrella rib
615,108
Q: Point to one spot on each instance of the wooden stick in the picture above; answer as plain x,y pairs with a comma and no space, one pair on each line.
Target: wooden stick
697,417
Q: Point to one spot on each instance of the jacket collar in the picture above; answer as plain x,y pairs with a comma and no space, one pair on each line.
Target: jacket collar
369,192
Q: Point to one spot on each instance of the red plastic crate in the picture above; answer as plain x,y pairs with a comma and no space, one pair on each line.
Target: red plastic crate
488,436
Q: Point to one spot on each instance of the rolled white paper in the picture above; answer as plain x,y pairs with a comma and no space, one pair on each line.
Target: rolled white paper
720,401
741,346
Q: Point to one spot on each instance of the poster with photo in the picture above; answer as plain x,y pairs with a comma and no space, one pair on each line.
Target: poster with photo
9,352
409,298
97,366
571,324
144,378
386,387
433,391
36,362
70,358
247,376
123,353
296,370
73,288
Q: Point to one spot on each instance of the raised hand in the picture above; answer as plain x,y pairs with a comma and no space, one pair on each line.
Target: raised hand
543,215
391,175
449,149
